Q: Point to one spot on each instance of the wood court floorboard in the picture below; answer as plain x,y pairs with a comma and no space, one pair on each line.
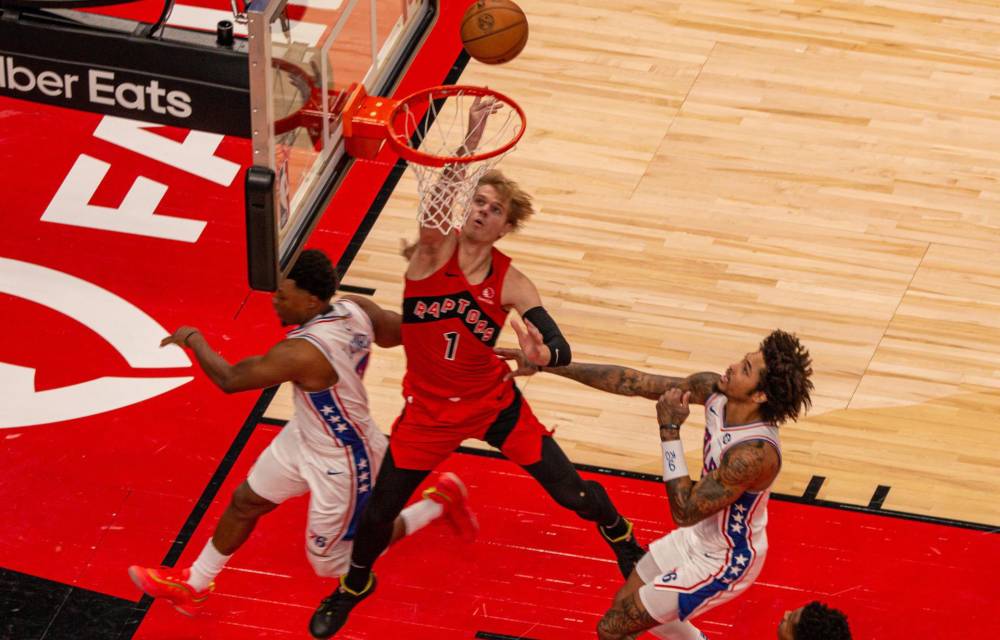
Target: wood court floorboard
707,171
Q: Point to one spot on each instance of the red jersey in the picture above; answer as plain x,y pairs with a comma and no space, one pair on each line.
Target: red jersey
449,329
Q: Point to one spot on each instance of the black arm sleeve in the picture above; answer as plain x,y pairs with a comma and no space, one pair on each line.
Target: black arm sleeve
551,335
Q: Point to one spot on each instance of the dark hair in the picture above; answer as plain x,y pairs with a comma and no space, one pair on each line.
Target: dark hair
820,622
785,380
313,272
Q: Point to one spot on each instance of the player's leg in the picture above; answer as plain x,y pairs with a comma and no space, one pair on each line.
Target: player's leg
638,607
340,487
393,489
522,438
274,478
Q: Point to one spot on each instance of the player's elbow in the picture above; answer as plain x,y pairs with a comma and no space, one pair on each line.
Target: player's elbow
686,518
230,383
228,387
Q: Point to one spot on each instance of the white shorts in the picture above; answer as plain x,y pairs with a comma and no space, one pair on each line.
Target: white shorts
683,579
339,481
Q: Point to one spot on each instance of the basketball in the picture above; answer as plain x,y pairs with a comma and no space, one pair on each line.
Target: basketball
494,31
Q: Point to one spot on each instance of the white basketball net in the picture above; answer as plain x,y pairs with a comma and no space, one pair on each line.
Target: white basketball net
446,192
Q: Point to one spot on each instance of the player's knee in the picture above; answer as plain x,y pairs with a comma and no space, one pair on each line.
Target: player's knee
247,504
592,502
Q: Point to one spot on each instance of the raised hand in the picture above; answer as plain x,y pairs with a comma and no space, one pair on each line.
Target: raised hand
524,367
482,108
672,407
532,345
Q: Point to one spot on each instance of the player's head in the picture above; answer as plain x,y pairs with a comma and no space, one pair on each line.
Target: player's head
499,206
815,621
776,377
307,289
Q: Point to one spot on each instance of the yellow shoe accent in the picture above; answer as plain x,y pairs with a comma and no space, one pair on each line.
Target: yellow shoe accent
625,536
347,590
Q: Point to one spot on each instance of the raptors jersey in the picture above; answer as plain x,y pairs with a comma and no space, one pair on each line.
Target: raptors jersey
338,417
449,329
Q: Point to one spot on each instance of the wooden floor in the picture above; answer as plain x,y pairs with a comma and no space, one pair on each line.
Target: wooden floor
709,170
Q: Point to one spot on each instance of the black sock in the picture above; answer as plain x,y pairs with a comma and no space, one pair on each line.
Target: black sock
357,577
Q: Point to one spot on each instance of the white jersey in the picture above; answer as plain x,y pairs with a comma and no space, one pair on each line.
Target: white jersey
338,416
331,446
714,560
741,524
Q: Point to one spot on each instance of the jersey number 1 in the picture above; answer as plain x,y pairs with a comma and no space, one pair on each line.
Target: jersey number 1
452,339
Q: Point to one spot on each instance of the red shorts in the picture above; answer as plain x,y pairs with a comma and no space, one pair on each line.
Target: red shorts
418,442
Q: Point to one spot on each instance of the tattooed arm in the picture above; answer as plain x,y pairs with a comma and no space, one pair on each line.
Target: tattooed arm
615,379
631,382
746,466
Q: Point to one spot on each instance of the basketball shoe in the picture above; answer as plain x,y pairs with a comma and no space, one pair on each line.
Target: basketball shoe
449,491
171,585
334,609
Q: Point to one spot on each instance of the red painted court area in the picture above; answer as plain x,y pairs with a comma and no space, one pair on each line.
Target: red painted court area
539,572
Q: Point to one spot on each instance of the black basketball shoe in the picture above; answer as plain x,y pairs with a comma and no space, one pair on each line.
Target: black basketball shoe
334,609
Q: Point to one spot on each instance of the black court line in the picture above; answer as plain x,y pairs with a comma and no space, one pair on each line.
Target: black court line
350,288
878,498
812,490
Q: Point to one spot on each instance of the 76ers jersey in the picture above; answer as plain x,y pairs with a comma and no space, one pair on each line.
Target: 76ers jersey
713,560
740,526
338,417
449,329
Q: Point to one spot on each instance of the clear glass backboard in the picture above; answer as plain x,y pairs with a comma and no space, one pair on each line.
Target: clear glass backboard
304,59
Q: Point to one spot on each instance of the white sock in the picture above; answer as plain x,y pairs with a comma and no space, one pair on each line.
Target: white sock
420,514
208,565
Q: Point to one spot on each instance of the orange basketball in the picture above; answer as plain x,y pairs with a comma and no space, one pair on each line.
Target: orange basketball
494,31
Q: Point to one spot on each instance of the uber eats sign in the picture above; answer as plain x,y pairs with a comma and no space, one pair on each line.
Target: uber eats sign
189,82
98,87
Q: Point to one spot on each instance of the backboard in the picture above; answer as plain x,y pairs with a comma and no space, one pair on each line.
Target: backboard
304,59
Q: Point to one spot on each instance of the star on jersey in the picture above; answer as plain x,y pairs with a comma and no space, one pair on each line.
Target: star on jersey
363,477
736,528
737,517
742,560
363,464
739,508
327,410
363,488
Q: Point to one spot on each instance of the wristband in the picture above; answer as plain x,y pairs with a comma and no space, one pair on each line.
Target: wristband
188,337
674,465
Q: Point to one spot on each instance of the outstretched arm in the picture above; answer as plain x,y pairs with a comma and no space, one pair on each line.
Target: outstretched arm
623,381
632,382
441,196
743,467
289,360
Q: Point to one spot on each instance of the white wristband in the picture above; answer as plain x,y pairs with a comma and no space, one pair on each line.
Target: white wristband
674,465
